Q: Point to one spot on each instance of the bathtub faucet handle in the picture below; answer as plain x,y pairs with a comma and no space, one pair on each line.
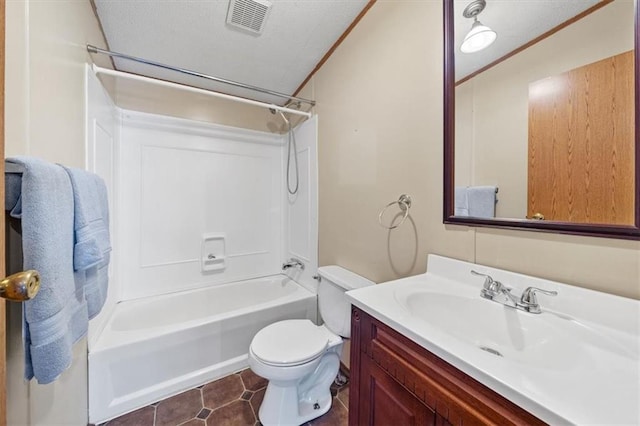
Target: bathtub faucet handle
293,263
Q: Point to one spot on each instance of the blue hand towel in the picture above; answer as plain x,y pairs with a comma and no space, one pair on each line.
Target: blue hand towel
482,201
91,219
92,249
96,283
461,206
57,317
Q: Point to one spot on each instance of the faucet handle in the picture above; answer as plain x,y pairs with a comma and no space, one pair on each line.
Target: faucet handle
298,263
529,295
489,282
293,262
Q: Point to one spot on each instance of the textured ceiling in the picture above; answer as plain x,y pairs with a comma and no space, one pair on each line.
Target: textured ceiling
297,34
194,35
516,22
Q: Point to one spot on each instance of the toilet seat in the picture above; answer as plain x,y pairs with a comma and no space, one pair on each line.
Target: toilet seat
290,343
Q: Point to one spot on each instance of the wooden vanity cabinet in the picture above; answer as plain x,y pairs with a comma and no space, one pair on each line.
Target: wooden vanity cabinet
396,382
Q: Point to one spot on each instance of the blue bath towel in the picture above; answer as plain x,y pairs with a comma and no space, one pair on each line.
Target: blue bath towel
92,248
57,317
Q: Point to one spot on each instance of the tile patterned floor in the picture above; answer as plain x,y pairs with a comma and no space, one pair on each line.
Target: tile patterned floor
231,401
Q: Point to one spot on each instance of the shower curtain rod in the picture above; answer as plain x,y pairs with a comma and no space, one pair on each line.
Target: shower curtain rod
107,71
94,49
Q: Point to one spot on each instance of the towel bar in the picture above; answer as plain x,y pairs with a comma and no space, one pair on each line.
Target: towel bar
13,168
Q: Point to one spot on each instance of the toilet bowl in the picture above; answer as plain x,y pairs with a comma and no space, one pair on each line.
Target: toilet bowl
300,359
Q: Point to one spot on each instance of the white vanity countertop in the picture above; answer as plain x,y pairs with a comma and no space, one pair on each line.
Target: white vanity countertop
578,362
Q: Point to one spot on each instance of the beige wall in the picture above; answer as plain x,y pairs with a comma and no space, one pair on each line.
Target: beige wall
145,97
499,99
45,77
45,118
380,117
380,135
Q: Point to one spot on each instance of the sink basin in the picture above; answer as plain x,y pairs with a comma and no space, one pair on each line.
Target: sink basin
577,362
494,328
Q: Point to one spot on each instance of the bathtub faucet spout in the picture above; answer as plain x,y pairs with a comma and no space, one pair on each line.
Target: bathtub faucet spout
293,263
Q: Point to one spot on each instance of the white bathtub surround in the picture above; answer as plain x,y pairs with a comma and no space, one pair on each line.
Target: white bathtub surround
190,189
213,252
156,347
577,362
200,215
301,209
183,180
301,359
102,132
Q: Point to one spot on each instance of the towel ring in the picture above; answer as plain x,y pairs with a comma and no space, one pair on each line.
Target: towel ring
404,202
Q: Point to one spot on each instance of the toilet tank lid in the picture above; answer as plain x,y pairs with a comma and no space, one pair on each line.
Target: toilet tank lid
344,278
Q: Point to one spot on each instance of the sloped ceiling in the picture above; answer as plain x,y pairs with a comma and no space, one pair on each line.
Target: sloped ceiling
515,21
194,35
297,35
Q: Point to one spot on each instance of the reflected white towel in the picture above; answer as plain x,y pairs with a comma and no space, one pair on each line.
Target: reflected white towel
461,206
482,201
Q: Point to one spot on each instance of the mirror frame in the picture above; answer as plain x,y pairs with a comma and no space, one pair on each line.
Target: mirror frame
631,232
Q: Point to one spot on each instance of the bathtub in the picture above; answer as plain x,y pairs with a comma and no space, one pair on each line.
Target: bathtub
157,347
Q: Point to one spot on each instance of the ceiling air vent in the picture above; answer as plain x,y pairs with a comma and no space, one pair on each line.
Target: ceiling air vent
250,15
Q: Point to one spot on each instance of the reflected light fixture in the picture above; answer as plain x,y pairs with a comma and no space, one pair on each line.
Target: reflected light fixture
480,36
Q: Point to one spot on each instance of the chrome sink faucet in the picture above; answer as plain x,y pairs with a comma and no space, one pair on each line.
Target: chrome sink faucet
498,292
293,263
529,301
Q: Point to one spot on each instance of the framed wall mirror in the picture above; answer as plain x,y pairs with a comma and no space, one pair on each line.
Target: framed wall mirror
541,102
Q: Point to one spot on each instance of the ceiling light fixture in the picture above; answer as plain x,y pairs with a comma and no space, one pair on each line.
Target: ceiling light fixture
480,36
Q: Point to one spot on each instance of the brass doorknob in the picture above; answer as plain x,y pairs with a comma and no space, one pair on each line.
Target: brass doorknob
538,216
20,286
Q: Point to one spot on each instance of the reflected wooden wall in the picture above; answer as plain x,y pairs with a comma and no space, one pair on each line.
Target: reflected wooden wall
581,144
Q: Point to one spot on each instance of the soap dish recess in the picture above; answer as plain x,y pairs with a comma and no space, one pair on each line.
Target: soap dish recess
212,253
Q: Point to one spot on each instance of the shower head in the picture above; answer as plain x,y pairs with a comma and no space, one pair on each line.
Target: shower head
284,118
274,111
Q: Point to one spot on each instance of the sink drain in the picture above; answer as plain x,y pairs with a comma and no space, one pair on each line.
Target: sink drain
491,351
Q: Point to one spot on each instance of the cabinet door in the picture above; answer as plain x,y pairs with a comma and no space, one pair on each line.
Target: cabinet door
384,402
395,382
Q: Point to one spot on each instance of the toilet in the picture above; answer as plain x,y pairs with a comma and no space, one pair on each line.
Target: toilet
300,359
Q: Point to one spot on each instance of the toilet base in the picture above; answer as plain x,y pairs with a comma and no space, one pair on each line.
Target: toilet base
296,402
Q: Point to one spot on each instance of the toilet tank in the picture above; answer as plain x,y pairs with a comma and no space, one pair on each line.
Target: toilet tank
335,308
